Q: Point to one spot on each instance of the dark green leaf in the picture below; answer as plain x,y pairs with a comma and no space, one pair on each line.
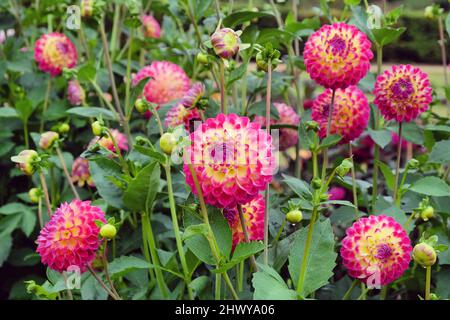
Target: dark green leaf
440,152
101,170
269,285
431,186
237,18
92,112
381,137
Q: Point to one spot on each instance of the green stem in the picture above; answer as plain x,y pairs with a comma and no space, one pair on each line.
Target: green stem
266,192
101,95
40,218
118,152
154,254
176,230
325,151
363,293
275,241
105,268
218,286
384,292
355,192
428,284
46,196
397,167
114,34
46,99
151,271
128,107
246,237
350,290
66,173
25,134
102,284
223,90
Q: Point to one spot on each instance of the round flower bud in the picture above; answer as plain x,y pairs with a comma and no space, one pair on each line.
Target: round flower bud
344,167
225,42
424,254
34,194
261,62
324,197
202,58
167,143
312,125
108,231
317,183
427,213
140,106
97,128
63,128
413,163
27,161
429,12
87,8
48,139
294,216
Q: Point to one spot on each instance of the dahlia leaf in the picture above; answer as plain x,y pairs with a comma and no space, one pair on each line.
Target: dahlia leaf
246,249
300,187
440,152
92,112
431,186
237,18
5,247
381,137
126,264
330,141
141,191
8,112
387,174
321,260
221,230
410,132
384,36
101,169
91,290
197,244
269,285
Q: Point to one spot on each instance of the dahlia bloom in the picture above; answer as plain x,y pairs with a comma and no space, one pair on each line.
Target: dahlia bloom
179,114
80,173
351,113
376,248
233,159
225,42
70,238
254,220
402,93
106,142
337,55
194,94
53,52
168,82
151,27
288,137
75,93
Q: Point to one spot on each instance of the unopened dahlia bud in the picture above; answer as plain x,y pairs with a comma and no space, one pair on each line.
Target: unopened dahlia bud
225,42
34,194
141,106
317,183
413,163
428,13
202,58
424,254
63,128
294,216
27,160
167,143
427,213
48,139
261,63
87,8
97,128
312,125
344,167
151,27
75,93
108,231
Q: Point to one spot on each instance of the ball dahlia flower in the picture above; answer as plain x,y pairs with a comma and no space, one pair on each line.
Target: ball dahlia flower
53,52
233,160
337,55
351,113
75,93
151,27
70,238
107,142
168,82
179,114
287,115
81,174
253,213
402,93
376,250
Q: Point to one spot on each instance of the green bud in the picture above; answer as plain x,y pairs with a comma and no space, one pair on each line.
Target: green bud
324,197
312,125
294,216
413,163
202,58
316,183
424,254
97,128
35,194
63,128
261,63
167,143
108,231
344,167
427,213
141,106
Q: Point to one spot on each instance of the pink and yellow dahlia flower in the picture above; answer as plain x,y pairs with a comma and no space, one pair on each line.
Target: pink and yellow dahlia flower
376,250
179,114
194,94
337,55
151,27
254,220
70,239
233,159
351,113
402,93
168,82
53,52
81,174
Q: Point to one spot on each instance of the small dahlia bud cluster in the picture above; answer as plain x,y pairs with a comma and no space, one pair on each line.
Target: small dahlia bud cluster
267,55
27,161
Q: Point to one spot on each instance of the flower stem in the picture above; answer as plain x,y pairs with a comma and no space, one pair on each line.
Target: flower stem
66,172
25,134
105,267
104,286
397,167
218,286
246,237
428,284
128,107
118,152
223,90
154,254
46,196
41,220
325,151
266,192
350,290
443,50
46,99
355,191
